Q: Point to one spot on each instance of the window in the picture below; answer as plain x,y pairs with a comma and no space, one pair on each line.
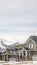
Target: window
12,56
31,45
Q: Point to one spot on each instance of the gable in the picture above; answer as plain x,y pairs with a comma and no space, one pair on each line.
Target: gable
30,44
29,40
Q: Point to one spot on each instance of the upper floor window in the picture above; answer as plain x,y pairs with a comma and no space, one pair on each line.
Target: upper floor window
31,45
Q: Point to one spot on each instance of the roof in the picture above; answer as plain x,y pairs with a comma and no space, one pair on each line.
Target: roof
27,48
34,38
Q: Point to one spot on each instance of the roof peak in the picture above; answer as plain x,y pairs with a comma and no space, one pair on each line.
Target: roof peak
33,38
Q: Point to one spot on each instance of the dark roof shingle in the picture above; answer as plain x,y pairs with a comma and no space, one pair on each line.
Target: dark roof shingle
34,38
27,48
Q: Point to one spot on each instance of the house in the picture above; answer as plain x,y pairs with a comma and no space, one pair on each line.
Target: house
31,43
5,53
19,52
28,49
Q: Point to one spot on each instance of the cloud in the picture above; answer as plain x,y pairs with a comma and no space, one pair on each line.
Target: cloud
18,19
17,8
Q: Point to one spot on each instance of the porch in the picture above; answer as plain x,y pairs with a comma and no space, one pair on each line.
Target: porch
24,54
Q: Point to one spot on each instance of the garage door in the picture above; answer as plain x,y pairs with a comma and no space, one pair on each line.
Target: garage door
34,58
12,57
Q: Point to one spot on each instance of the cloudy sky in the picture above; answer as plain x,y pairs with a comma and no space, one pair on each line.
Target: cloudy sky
18,19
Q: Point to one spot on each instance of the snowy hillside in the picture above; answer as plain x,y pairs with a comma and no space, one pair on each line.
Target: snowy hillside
6,45
2,47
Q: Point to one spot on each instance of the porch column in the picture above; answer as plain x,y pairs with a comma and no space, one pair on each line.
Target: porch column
26,54
22,55
19,56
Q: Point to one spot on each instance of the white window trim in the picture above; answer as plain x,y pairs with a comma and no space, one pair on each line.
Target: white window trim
31,45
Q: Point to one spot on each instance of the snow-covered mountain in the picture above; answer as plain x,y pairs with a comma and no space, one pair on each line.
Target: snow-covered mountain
4,45
8,43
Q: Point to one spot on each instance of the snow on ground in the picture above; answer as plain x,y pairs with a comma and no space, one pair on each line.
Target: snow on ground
19,63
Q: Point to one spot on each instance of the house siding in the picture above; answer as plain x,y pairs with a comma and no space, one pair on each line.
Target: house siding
36,46
33,53
31,42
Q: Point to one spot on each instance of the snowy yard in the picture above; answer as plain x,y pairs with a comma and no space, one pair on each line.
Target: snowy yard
19,63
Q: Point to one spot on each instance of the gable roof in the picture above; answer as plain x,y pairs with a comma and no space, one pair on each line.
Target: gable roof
34,38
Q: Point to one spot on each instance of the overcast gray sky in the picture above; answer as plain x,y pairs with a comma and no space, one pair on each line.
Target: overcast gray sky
18,19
